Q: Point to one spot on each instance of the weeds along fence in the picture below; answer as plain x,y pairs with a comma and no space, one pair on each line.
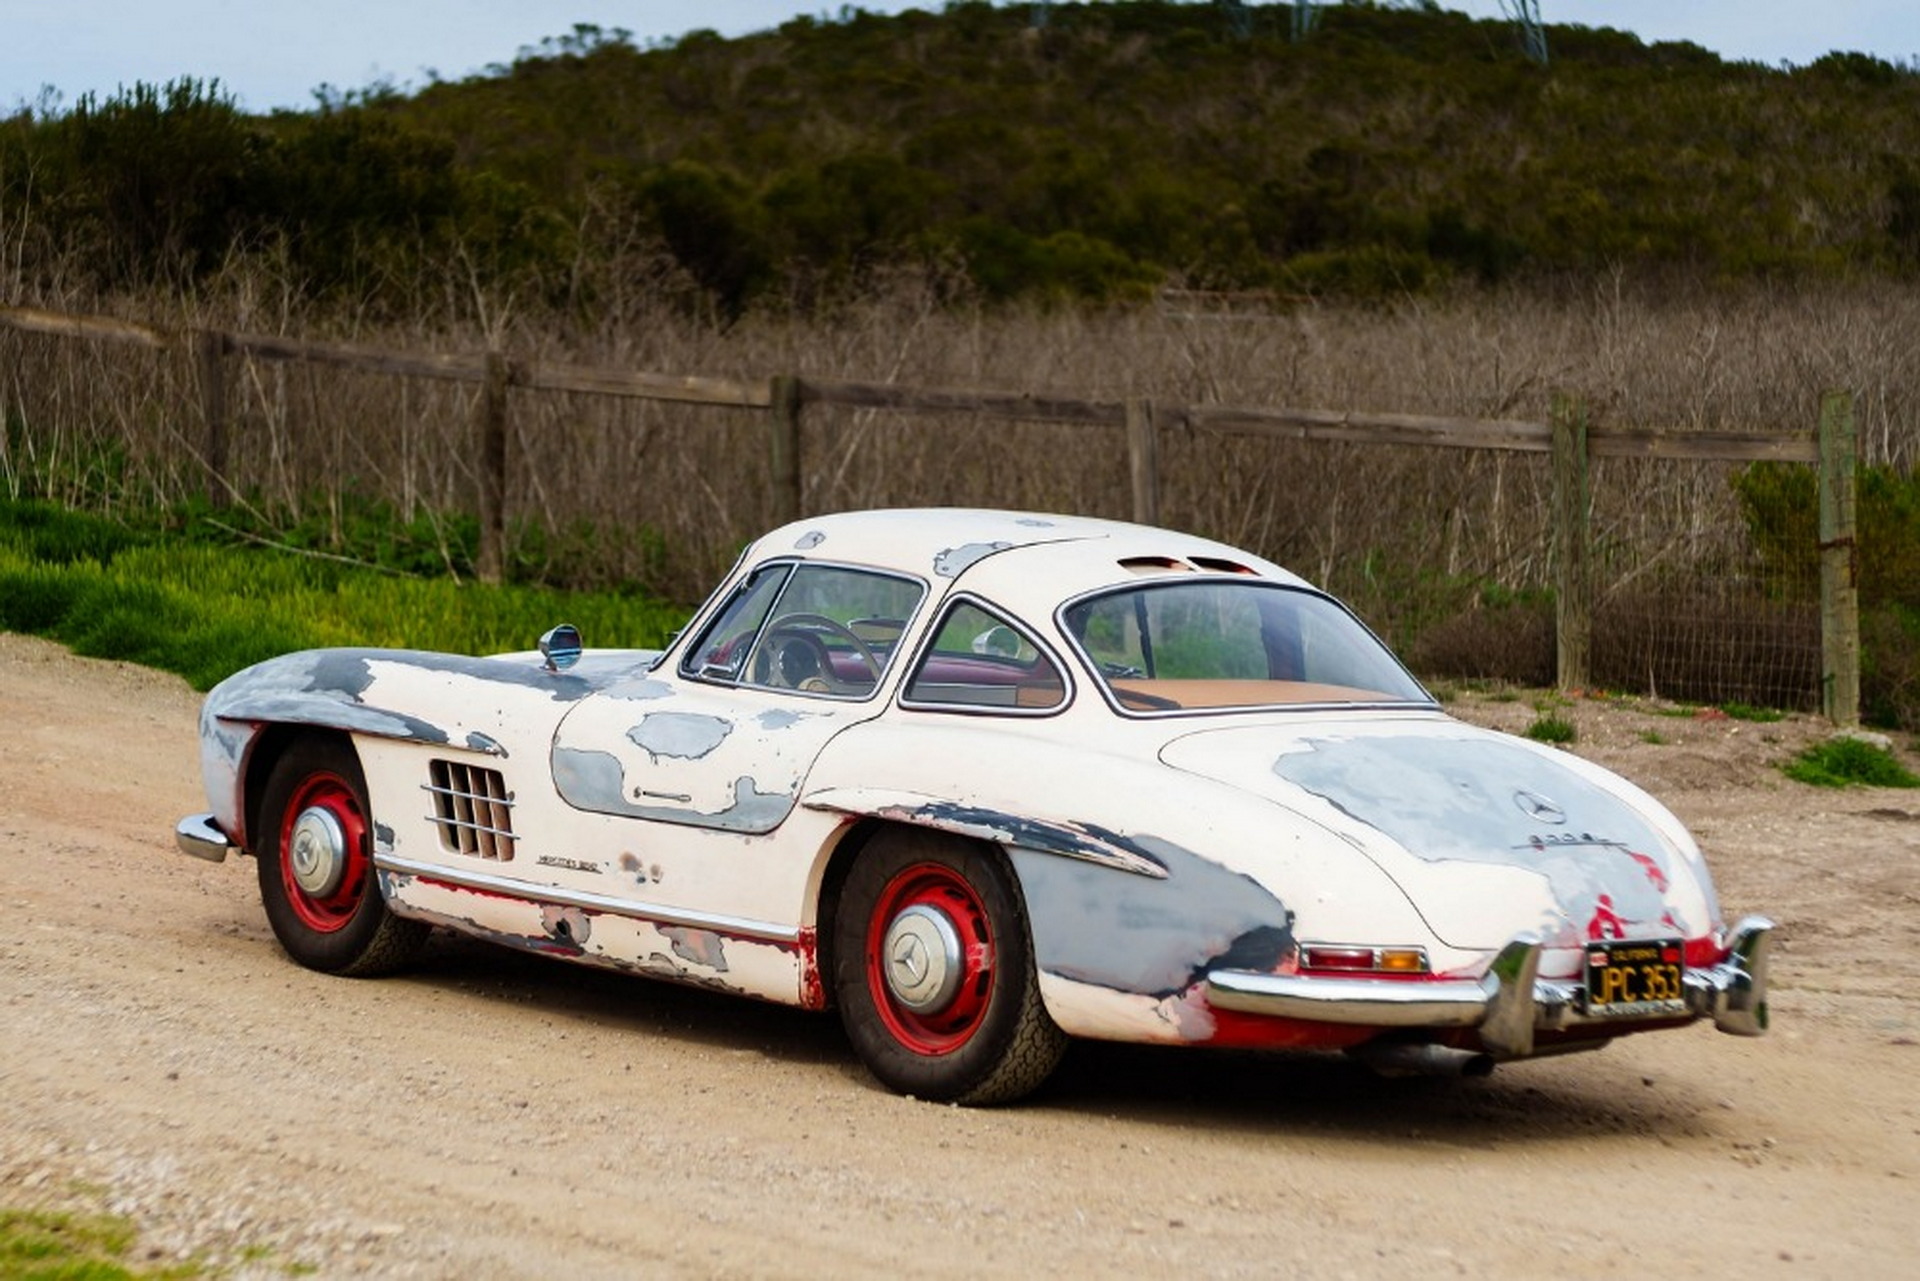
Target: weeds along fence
1557,550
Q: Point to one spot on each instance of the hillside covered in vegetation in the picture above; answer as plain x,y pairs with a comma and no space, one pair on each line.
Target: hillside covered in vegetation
1118,148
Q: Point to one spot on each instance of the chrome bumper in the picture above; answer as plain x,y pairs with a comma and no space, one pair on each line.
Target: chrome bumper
200,836
1509,1003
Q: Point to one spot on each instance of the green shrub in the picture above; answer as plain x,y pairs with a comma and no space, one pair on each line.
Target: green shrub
1844,761
70,1247
1548,728
1890,666
1780,503
33,598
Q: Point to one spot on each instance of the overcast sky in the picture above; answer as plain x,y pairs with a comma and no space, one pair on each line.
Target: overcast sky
274,53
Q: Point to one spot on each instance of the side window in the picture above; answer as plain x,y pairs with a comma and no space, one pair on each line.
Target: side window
833,631
979,659
818,629
721,651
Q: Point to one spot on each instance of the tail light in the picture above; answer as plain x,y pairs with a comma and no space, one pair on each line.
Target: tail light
1363,960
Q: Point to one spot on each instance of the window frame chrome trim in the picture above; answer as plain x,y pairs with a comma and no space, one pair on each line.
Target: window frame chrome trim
1263,583
924,651
793,565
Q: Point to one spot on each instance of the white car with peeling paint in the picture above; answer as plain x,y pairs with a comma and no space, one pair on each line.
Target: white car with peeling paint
984,781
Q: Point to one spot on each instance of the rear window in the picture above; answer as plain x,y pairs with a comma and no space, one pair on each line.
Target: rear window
1217,645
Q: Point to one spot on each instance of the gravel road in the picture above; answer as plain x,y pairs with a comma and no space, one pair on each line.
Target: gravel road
493,1115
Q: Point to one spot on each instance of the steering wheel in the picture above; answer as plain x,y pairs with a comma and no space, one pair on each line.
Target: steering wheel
804,628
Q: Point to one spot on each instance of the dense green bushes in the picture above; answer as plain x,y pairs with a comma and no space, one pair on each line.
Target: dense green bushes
1120,146
1781,506
167,185
203,609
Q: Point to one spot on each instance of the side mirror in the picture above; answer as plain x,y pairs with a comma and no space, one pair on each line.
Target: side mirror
561,647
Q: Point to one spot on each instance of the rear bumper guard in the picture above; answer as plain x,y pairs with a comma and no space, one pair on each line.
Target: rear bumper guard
1509,1004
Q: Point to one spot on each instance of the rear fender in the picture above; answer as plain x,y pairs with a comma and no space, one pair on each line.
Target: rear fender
1125,927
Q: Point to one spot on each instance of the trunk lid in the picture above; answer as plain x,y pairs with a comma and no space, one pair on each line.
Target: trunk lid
1488,834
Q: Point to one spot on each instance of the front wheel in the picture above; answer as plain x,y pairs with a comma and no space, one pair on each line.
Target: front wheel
317,879
934,972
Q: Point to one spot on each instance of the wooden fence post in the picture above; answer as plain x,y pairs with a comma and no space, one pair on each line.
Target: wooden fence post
210,349
1572,517
492,411
1839,562
1143,461
783,439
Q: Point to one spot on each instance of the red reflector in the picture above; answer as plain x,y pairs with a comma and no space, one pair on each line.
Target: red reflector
1670,955
1338,958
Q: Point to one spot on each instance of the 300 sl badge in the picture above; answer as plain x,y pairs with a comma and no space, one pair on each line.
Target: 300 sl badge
571,864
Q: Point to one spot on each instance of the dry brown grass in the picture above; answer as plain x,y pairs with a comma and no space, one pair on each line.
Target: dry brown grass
666,494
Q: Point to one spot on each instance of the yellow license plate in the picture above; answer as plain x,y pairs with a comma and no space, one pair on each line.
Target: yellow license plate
1639,979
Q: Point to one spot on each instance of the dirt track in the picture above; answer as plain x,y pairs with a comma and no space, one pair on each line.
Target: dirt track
495,1115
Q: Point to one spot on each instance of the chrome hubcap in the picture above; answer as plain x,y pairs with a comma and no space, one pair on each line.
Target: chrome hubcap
924,964
317,852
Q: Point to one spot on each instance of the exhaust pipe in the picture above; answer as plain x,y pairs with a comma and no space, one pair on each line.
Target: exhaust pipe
1395,1059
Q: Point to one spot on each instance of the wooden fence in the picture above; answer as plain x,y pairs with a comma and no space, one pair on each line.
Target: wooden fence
782,399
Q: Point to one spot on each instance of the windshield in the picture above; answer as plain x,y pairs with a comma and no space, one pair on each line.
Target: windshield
1212,645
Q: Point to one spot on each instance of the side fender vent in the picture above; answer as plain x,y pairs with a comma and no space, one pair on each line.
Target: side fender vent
472,808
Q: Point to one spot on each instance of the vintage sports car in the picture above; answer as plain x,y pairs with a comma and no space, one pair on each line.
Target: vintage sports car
983,781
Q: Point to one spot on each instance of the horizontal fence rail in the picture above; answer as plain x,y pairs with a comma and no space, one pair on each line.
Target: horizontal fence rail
1568,439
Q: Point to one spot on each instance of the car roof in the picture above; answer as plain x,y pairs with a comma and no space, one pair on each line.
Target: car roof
1067,553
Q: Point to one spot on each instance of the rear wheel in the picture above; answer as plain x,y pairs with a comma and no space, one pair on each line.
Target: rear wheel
317,879
934,972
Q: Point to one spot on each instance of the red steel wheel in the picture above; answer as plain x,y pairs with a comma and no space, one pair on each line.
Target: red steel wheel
317,879
930,966
933,971
323,844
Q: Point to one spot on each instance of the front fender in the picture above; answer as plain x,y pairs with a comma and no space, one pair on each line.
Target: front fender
469,704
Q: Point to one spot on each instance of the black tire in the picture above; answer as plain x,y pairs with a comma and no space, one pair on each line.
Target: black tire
315,856
968,1025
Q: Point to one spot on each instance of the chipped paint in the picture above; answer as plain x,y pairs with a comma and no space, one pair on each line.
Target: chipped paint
1086,841
780,718
475,704
708,756
643,690
642,873
954,561
1152,937
567,926
682,735
701,957
596,781
809,540
1453,800
813,988
703,948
